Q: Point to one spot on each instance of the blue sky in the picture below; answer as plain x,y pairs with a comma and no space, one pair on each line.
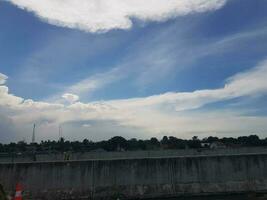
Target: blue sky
133,68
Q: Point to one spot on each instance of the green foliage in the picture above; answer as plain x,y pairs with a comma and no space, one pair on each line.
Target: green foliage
3,195
119,143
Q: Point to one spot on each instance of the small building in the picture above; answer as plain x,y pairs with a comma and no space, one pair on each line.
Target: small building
217,145
205,144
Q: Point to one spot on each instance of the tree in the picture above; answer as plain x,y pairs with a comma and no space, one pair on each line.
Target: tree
164,142
195,138
194,143
117,143
175,143
120,143
154,143
133,144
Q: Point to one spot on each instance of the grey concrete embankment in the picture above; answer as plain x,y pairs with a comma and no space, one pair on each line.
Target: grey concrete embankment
132,154
139,178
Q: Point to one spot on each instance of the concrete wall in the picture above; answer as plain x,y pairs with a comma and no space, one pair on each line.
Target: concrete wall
138,178
134,154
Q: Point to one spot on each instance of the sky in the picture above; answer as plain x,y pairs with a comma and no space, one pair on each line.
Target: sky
134,68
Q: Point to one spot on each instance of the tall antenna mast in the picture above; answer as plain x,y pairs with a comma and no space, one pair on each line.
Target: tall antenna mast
59,132
33,134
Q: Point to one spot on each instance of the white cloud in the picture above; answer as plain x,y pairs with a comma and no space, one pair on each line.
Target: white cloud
155,114
7,99
71,98
250,82
104,15
3,78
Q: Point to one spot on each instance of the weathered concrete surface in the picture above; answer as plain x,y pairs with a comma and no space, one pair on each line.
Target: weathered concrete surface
132,154
139,178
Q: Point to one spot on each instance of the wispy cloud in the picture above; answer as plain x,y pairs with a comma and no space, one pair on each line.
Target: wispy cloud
150,61
252,82
105,15
96,81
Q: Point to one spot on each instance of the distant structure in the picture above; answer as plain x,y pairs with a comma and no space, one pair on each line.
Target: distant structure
33,133
213,145
217,145
60,132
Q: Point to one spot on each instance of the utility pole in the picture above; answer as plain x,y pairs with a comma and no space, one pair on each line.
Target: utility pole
33,133
33,143
59,133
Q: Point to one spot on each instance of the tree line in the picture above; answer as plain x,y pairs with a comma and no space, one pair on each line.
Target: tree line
119,143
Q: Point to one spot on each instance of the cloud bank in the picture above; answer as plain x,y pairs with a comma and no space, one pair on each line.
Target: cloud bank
104,15
154,114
